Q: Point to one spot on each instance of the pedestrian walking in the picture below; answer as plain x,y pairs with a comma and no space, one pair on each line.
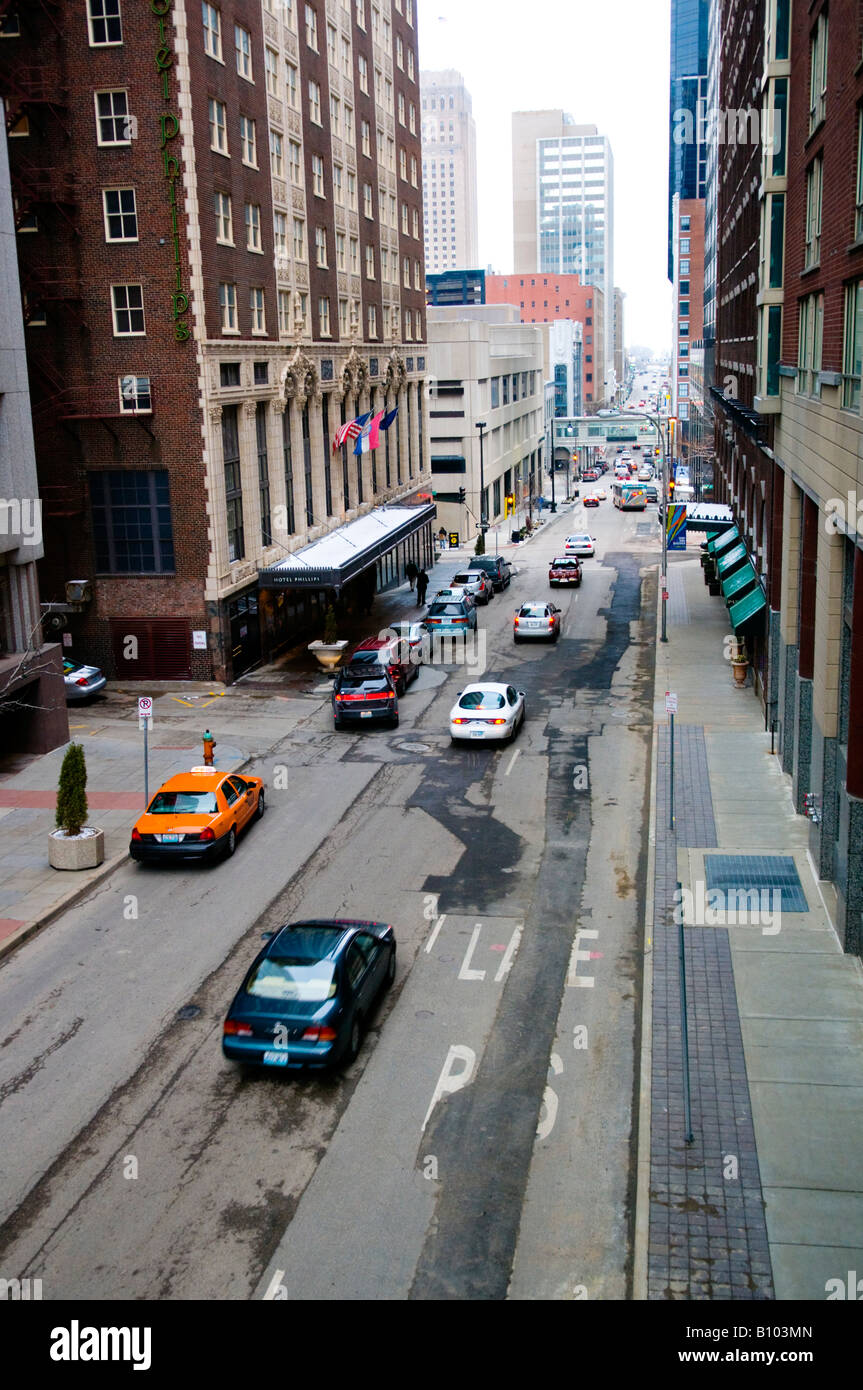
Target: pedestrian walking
422,586
411,571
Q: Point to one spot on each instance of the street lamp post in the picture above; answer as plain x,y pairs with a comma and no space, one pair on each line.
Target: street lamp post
656,421
483,522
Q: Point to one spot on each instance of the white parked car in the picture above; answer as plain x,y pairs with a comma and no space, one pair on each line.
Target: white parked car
487,711
474,582
580,545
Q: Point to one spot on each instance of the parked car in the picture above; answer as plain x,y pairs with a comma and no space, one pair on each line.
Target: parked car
476,583
495,566
451,615
308,995
82,681
580,545
536,619
415,635
388,652
196,815
601,493
565,569
365,693
488,711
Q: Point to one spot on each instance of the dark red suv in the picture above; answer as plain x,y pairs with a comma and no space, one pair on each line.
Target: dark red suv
392,652
564,569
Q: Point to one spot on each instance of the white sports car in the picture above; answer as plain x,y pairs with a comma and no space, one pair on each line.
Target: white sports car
487,711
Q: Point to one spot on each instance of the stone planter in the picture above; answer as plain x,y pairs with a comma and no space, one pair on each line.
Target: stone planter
329,654
713,588
740,668
83,851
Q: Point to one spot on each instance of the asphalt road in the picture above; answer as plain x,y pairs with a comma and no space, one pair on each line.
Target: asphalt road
482,1145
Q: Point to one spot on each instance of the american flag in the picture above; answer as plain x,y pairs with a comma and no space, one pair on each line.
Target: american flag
352,430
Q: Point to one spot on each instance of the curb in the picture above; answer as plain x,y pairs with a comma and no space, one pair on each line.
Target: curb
642,1182
78,891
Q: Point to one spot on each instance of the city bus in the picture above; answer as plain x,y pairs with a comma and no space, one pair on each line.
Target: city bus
629,497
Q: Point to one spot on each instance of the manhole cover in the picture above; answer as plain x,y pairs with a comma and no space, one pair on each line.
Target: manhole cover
742,873
188,1011
415,747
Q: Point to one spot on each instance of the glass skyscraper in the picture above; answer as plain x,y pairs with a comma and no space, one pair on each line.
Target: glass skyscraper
687,152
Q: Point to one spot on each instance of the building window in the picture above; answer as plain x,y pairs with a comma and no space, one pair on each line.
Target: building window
403,163
324,316
401,108
113,122
417,276
343,320
406,272
301,313
224,220
335,115
346,57
818,72
243,46
132,530
263,473
414,171
367,200
307,463
416,223
256,307
361,13
128,309
811,330
366,139
400,51
363,70
341,258
277,163
229,374
418,321
332,46
411,68
812,249
338,185
370,263
291,83
311,28
294,165
248,142
121,216
233,482
858,213
288,456
271,66
318,176
355,256
852,351
373,321
314,102
253,228
135,395
408,331
218,127
285,313
280,230
299,239
106,26
352,191
405,214
684,267
228,307
212,31
321,247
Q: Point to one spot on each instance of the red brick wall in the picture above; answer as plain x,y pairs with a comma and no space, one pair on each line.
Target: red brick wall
76,357
836,140
544,298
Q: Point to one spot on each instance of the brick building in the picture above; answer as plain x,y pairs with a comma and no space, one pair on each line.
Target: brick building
545,298
219,215
687,248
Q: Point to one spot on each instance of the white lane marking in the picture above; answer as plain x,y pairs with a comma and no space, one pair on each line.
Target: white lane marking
573,978
437,926
512,762
465,973
509,956
449,1081
548,1114
276,1289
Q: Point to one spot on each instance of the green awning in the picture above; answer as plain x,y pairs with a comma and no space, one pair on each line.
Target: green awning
736,584
722,541
731,559
746,608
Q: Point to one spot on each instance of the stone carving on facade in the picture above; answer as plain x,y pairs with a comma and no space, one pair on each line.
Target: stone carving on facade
300,379
355,374
301,276
298,200
396,374
278,405
250,407
215,413
294,123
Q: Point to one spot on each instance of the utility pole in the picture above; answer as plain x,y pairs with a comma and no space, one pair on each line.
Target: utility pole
483,520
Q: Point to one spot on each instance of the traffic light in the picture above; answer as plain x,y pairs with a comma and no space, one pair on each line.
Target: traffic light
509,504
462,495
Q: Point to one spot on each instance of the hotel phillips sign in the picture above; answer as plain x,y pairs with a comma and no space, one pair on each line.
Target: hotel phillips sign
169,129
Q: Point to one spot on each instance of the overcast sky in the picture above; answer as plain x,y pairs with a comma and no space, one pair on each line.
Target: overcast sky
606,63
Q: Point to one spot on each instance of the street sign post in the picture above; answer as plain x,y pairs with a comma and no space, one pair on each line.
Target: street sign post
671,710
145,717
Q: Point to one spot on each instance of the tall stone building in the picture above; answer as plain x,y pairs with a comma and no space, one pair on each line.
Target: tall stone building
449,173
219,218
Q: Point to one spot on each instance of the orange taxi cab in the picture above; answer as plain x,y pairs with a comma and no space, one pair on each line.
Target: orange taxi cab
197,815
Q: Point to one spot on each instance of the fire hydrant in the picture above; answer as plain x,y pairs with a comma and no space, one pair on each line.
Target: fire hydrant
209,746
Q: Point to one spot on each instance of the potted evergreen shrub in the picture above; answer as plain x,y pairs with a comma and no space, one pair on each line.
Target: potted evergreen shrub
74,844
329,651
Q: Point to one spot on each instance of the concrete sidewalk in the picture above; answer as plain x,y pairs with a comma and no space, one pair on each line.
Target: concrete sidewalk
768,1199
